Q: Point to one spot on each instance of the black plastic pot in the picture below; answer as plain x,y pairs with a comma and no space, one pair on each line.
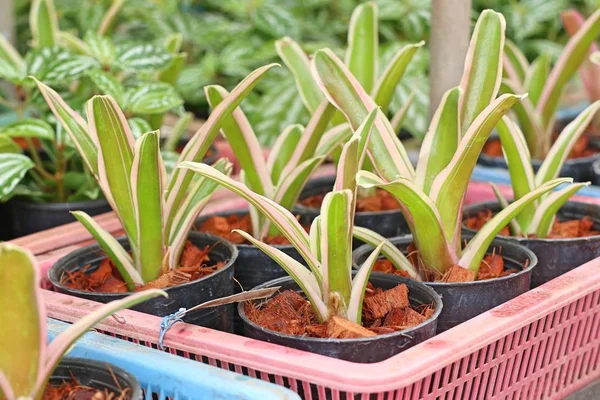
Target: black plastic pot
97,375
387,223
465,300
24,217
363,350
580,169
596,173
555,256
216,285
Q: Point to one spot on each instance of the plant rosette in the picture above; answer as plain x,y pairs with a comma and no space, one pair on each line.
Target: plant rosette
380,213
464,300
574,238
537,114
87,273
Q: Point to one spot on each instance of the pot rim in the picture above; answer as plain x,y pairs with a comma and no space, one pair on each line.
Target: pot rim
498,241
96,246
437,299
58,206
532,240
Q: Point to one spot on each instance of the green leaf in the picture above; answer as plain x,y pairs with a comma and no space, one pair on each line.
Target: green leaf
43,23
541,223
359,285
515,63
297,61
282,151
113,249
574,54
560,150
147,180
336,251
138,127
274,21
12,65
449,187
7,145
109,18
13,168
171,73
108,84
73,43
60,345
29,128
100,47
24,329
386,86
142,57
363,45
292,184
515,229
115,143
243,142
477,247
483,66
441,140
66,70
536,77
423,218
153,98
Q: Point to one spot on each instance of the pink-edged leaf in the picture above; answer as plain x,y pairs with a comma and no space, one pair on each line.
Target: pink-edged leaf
333,139
343,90
282,151
308,282
449,187
110,130
283,220
289,189
23,331
312,135
74,124
199,195
572,57
560,150
515,64
244,143
197,147
43,23
65,340
483,67
147,184
391,252
298,62
5,388
589,71
315,238
109,17
359,285
363,44
473,254
441,140
536,78
386,85
541,223
423,219
400,115
515,228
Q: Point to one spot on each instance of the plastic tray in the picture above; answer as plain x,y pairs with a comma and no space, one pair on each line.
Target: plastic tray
163,376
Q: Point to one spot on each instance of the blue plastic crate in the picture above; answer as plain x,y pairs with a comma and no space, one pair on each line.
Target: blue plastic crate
164,375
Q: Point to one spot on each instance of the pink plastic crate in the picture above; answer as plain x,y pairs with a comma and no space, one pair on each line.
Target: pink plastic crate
544,344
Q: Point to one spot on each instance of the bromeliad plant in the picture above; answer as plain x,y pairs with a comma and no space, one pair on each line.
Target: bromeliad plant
327,249
432,196
537,217
26,360
139,76
155,212
536,114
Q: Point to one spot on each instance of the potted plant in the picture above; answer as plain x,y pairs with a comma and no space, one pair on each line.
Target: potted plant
432,199
562,244
376,210
323,309
155,212
536,114
31,369
44,184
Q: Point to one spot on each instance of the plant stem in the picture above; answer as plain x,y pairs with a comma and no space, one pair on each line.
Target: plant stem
59,176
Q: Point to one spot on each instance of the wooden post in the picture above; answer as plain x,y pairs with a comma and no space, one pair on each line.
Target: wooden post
449,40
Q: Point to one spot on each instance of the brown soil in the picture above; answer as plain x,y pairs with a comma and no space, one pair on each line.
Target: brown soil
382,201
72,390
583,148
194,264
222,227
560,229
384,311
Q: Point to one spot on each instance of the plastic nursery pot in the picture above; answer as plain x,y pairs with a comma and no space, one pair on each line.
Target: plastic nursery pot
216,285
596,173
363,350
388,223
465,300
97,375
555,256
25,217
